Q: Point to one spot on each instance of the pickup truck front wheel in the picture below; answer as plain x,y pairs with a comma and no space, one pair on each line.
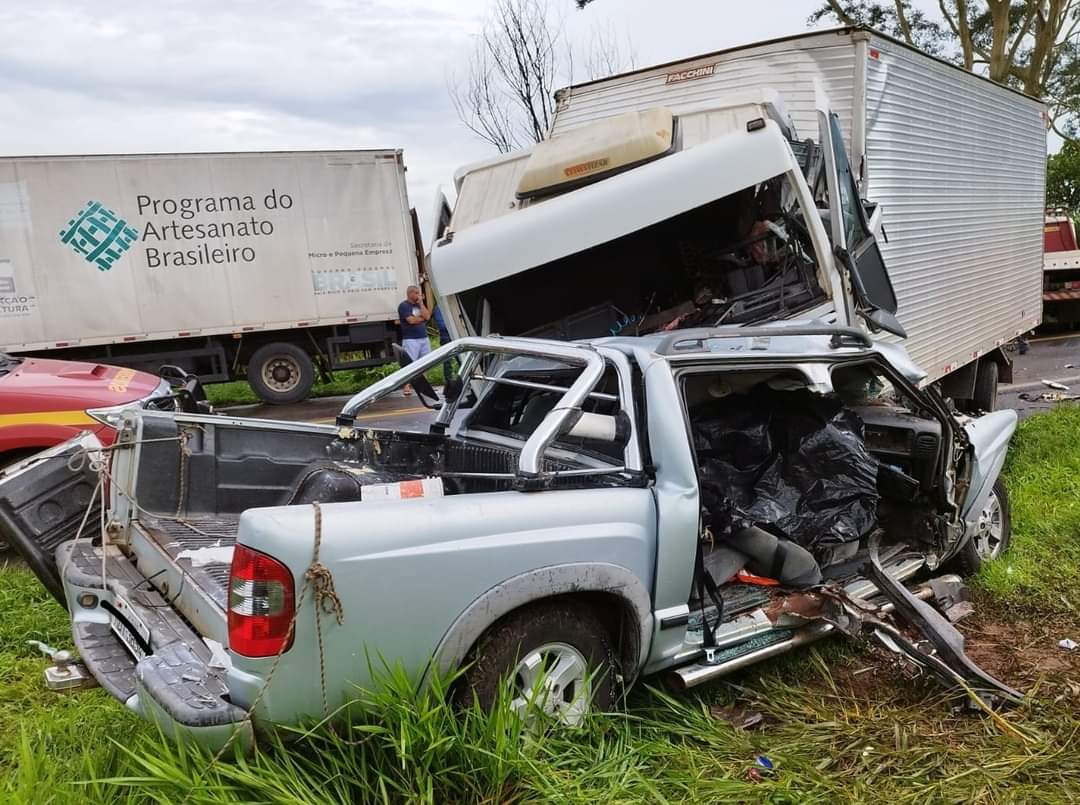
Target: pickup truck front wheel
557,658
993,535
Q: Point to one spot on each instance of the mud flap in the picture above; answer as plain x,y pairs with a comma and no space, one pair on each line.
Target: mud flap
944,657
42,503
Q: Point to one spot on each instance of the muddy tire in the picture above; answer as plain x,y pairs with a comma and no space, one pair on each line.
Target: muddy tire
558,658
992,538
281,373
986,386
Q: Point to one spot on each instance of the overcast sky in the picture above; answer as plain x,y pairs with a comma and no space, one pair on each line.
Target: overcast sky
220,75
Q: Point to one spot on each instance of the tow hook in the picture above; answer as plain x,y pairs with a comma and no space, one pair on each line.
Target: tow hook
64,674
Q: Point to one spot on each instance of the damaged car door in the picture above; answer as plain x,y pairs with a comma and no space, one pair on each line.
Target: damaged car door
854,244
47,500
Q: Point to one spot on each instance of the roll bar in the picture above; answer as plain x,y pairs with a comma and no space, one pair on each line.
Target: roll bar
530,462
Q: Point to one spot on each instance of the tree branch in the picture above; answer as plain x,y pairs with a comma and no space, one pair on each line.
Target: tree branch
1022,31
1063,135
843,16
902,21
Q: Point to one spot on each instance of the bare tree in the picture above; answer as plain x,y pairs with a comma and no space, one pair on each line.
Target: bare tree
522,55
608,53
508,97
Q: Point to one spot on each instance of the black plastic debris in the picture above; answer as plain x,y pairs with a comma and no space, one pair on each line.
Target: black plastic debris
792,462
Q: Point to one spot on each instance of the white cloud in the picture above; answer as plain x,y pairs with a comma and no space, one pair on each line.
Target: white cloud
205,75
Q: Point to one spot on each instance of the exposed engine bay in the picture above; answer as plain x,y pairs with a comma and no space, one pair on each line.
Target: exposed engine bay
743,258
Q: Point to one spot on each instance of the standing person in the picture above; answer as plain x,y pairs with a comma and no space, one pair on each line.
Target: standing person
414,316
444,338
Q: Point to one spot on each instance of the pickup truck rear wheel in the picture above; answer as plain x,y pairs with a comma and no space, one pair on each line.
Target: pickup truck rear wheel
558,660
281,373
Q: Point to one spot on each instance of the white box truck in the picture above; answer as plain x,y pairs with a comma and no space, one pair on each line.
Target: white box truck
276,263
950,167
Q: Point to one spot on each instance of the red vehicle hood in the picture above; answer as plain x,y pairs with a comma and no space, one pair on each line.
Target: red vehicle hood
40,384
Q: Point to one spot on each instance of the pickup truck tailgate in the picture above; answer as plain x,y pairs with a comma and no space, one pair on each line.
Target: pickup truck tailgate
43,502
138,647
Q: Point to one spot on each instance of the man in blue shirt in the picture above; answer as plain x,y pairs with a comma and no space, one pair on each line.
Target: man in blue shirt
413,316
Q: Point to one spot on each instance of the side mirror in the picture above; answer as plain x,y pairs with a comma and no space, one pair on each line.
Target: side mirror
884,320
187,389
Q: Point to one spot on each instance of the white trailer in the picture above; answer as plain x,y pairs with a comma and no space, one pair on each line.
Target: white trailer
274,261
955,162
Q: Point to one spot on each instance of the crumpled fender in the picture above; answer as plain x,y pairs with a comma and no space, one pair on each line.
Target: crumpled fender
989,436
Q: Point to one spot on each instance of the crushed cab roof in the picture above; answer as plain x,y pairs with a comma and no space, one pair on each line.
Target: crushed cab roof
609,209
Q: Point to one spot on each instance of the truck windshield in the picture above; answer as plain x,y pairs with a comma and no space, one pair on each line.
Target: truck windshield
743,258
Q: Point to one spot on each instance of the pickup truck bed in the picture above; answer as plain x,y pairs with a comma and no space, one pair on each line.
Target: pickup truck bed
201,546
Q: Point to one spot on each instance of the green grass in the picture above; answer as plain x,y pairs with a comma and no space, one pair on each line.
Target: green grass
48,740
903,743
347,381
239,392
1042,569
833,734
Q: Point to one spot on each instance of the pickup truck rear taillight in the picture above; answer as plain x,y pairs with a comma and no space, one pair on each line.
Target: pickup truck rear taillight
261,603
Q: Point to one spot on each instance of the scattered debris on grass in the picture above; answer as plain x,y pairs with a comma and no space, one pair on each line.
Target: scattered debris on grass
739,717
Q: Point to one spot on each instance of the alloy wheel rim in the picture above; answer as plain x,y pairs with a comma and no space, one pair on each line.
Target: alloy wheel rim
552,679
991,529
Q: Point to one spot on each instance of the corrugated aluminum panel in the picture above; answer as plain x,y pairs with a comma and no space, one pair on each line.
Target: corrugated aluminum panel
958,167
487,191
790,67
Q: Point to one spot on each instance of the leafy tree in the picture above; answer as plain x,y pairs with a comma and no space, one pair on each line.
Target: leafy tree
1063,179
1031,45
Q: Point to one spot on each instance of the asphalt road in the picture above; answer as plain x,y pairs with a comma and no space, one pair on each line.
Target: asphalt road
396,411
1056,358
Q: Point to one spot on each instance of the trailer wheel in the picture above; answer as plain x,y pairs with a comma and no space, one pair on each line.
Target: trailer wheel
281,373
986,386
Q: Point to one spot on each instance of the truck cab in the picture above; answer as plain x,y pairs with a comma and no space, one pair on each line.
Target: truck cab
650,221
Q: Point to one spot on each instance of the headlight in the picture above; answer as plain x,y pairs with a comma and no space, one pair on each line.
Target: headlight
113,415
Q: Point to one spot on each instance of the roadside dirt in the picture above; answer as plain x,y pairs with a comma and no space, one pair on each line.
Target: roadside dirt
1021,651
1024,652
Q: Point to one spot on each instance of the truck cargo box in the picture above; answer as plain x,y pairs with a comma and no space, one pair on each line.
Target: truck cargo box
956,162
122,249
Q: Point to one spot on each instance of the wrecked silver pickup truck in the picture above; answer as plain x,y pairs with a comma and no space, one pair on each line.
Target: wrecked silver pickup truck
576,516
